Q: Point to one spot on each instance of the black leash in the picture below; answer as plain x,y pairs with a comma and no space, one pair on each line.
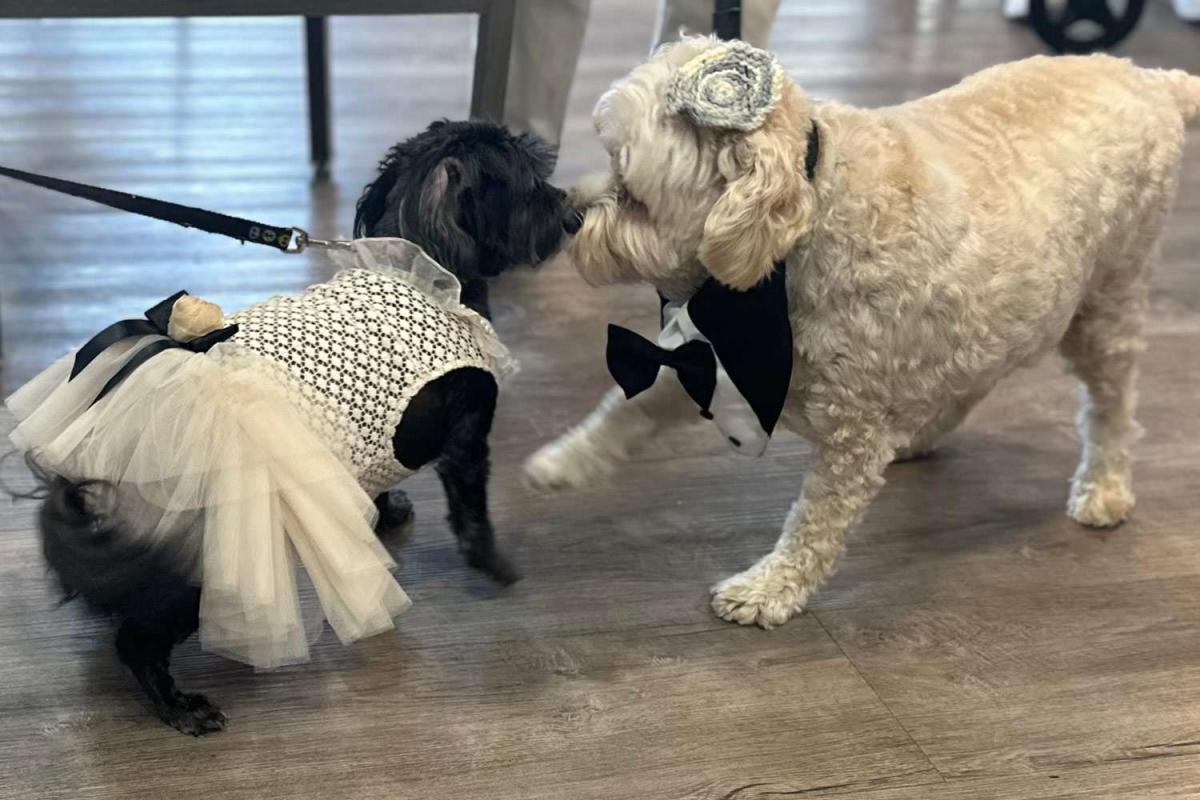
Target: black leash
286,240
157,319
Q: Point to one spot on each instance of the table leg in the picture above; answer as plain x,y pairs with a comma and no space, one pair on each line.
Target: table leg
317,53
492,52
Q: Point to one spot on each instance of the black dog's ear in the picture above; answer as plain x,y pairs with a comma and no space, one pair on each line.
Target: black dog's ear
438,219
443,184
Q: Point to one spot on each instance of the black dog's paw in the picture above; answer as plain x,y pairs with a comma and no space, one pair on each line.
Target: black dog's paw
395,515
495,565
192,714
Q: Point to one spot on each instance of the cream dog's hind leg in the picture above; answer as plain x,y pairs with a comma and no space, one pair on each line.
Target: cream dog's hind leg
1101,347
1102,488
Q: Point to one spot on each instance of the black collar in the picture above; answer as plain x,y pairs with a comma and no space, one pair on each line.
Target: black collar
814,151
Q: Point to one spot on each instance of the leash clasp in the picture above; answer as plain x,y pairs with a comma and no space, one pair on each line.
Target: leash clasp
301,241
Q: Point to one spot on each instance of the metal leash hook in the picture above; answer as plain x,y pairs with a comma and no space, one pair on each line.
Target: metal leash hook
301,241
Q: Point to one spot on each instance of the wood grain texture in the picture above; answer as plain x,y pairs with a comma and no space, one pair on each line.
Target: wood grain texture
975,645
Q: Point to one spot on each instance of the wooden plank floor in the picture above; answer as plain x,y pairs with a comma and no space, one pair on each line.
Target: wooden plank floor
976,644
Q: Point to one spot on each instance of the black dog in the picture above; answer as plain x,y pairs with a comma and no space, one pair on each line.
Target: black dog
498,211
476,198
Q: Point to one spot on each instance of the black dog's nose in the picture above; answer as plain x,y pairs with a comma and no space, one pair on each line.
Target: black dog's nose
573,221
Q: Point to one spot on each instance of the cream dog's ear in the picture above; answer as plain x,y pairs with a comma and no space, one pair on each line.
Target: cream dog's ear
765,208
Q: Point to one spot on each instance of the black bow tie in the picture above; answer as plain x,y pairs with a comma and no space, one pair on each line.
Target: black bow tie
157,319
634,362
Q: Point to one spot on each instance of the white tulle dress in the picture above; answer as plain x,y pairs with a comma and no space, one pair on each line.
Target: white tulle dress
257,460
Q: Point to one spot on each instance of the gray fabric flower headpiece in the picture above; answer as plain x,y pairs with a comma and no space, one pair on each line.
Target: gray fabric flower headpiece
733,85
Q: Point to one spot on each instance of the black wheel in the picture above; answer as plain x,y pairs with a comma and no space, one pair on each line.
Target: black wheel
1084,26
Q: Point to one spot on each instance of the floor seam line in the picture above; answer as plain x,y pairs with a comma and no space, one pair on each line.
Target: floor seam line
879,697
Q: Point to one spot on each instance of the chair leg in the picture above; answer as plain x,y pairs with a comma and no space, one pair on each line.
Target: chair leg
317,52
727,19
492,52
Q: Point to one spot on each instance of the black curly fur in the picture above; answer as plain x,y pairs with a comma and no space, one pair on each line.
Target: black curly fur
84,545
98,560
476,198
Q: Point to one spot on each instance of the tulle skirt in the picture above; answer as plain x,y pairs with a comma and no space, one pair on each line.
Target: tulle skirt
208,456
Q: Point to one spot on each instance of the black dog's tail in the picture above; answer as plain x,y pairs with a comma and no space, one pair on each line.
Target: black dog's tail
85,545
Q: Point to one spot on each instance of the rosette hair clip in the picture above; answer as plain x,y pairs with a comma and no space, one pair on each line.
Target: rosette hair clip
733,85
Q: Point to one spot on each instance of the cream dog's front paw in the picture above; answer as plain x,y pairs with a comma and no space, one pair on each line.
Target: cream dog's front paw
768,594
1102,502
566,463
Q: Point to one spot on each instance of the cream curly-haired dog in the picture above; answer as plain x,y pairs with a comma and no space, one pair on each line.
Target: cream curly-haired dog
939,245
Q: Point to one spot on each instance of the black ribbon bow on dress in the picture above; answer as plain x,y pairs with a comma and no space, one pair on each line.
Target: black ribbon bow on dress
634,362
158,317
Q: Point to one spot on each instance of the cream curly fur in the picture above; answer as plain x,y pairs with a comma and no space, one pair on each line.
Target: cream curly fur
941,244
